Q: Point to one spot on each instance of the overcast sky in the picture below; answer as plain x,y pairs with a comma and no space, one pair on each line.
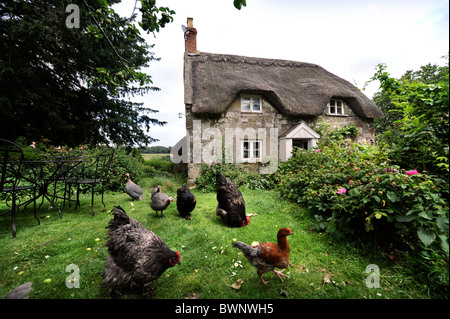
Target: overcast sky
348,38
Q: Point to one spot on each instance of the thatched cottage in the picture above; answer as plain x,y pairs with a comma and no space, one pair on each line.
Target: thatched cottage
253,111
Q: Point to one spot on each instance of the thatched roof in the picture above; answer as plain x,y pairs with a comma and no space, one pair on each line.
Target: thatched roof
213,81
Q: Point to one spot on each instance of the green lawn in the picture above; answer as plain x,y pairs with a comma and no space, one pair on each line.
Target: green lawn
320,268
148,157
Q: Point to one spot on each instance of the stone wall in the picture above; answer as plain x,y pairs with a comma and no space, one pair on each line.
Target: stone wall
239,124
365,125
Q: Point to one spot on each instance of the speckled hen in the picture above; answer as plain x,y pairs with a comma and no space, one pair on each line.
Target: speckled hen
137,256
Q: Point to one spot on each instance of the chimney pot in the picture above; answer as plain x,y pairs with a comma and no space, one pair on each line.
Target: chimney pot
190,22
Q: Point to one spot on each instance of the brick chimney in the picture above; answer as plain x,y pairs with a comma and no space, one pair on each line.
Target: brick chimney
190,36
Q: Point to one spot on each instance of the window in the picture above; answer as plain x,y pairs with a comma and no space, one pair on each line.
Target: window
304,144
251,150
336,107
250,103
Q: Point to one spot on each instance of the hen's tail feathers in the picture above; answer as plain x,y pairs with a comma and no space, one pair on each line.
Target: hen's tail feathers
182,189
156,190
120,218
246,249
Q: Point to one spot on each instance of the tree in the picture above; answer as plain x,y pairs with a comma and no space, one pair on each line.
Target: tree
417,122
69,84
67,67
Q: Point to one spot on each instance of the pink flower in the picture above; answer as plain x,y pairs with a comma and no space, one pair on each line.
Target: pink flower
33,144
318,150
341,190
413,172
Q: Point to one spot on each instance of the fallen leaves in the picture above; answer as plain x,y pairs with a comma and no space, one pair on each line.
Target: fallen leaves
284,292
237,285
193,295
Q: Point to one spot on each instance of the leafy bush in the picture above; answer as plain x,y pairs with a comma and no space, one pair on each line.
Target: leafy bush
330,135
355,192
416,126
127,161
160,164
207,179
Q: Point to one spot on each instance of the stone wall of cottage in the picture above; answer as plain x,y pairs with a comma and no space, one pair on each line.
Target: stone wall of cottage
234,119
365,125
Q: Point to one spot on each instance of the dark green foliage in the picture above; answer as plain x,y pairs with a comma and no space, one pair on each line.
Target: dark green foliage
356,193
239,3
68,85
160,165
127,162
154,17
155,150
416,126
207,179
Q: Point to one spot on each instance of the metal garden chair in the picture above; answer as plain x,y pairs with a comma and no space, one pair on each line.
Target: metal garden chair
14,182
91,174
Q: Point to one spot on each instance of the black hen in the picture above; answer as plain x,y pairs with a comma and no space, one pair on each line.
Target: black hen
137,256
185,202
230,203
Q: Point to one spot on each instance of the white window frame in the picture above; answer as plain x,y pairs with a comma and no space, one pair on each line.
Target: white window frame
252,98
251,150
333,109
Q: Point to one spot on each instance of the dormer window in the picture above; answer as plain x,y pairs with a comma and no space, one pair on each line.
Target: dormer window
336,107
250,103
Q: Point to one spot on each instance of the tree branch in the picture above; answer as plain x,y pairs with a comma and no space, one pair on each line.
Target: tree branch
109,41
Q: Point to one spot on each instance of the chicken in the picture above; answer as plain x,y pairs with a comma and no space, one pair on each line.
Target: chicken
268,256
132,189
160,201
156,190
185,202
137,256
20,292
231,204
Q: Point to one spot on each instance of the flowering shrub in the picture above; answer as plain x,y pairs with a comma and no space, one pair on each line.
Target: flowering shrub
413,172
207,179
353,191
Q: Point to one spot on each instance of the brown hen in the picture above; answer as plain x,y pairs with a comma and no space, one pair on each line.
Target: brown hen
268,256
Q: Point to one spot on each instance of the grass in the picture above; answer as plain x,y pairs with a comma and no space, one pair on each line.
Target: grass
320,267
148,157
